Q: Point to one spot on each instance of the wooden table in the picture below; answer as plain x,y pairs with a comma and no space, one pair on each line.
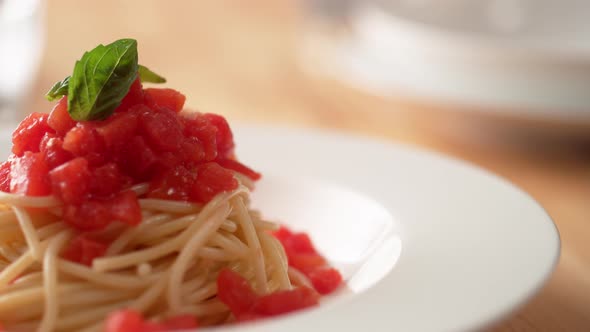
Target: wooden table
239,58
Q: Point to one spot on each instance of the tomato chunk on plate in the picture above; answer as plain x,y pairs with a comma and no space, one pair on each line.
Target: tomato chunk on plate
136,158
59,119
325,280
106,180
128,320
200,128
282,302
83,249
181,322
174,184
124,321
168,98
237,166
53,152
302,255
235,292
29,133
70,181
118,129
125,208
5,176
29,175
84,141
162,129
224,137
212,179
95,213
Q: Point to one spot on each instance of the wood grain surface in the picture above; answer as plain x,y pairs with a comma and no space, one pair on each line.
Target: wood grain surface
241,58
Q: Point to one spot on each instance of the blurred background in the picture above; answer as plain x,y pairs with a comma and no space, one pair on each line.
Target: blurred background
504,84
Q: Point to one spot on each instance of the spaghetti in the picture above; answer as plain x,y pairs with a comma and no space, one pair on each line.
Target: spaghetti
167,266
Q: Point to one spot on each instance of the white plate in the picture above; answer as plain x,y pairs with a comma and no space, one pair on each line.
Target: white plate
518,57
425,243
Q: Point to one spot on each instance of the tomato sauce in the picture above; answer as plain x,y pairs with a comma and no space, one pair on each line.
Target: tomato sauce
91,165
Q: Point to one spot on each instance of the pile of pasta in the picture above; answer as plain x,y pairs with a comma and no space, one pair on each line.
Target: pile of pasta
163,267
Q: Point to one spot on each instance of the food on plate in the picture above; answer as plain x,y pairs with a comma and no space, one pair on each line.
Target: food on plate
121,211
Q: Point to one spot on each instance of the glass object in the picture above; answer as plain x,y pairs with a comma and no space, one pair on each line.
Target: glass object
21,41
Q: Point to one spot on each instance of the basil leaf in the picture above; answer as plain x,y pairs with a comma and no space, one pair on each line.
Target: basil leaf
148,76
101,79
58,90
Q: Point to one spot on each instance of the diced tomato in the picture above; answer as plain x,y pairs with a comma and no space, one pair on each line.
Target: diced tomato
94,214
59,119
153,327
70,181
325,280
166,161
29,133
300,250
306,262
168,98
235,165
106,180
282,302
248,316
29,175
137,158
125,208
303,256
118,129
282,234
224,136
83,249
53,152
175,184
237,294
235,291
301,243
199,127
162,129
126,320
84,141
91,215
212,179
5,176
191,151
181,322
134,97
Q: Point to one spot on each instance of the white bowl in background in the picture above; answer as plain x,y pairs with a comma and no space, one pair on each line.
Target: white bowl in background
529,58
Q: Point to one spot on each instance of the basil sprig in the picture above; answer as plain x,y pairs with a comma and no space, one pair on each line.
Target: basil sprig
148,76
58,90
101,79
